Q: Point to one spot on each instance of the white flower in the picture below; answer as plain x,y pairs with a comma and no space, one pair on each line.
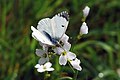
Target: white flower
86,11
76,64
42,54
66,56
45,67
66,47
84,28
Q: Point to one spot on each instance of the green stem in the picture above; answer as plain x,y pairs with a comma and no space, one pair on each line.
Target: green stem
71,67
79,36
57,66
3,18
83,19
75,75
47,75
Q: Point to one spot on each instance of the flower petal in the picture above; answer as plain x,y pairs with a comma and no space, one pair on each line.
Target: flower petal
58,50
71,56
62,60
37,65
67,46
78,67
64,38
48,65
42,60
39,52
41,70
76,64
49,69
77,60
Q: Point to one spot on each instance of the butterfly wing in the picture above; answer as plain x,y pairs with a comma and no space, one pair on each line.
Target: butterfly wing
59,23
45,25
40,36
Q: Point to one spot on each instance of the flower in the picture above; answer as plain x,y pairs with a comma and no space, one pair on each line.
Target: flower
76,64
42,54
45,67
84,28
86,11
64,52
66,56
66,47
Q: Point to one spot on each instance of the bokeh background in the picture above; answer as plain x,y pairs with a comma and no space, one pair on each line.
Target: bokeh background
99,51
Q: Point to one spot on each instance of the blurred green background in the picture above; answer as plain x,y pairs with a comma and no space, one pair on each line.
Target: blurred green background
99,51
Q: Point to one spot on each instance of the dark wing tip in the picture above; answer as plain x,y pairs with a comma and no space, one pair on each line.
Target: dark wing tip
64,14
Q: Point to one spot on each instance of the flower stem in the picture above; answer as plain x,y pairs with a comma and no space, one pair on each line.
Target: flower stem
71,67
75,75
79,36
75,72
47,75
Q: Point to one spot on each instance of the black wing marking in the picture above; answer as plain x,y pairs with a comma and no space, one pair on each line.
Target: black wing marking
64,14
54,41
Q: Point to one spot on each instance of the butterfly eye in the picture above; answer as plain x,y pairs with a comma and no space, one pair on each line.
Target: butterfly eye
62,25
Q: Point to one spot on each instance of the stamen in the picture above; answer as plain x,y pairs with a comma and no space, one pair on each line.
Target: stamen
64,53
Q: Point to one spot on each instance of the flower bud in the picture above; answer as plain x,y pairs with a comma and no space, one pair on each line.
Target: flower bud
86,11
84,28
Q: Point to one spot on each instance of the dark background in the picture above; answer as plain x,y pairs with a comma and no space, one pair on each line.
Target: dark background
99,51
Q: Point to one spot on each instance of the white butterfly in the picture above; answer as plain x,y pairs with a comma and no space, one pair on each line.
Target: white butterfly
50,31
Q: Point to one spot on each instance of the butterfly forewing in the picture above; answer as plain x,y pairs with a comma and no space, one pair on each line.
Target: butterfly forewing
45,25
60,22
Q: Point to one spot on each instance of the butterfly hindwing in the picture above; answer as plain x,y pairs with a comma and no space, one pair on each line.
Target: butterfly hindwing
40,36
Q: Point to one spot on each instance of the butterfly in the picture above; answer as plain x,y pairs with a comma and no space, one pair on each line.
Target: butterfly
50,31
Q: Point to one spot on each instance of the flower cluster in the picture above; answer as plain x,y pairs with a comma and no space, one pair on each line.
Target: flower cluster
63,50
66,55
